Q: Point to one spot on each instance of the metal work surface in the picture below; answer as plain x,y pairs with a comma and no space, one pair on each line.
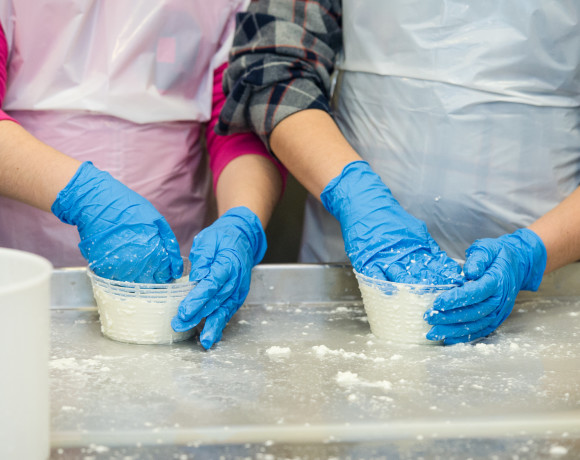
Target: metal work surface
299,375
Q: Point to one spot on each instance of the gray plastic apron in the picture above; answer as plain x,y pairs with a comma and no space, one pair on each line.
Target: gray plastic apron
469,111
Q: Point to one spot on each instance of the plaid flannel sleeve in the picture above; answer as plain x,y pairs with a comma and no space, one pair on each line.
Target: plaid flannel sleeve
281,61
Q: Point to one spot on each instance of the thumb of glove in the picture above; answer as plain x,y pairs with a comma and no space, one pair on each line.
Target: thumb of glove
479,257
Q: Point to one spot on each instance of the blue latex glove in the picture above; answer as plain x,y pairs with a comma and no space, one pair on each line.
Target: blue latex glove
499,268
381,239
222,258
123,237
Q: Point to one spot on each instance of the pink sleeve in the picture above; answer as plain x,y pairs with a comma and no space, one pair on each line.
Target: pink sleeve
223,149
3,61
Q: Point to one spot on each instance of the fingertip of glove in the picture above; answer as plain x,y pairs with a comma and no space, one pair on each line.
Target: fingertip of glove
477,262
440,303
207,343
177,267
473,269
183,314
430,316
209,336
433,335
177,325
162,277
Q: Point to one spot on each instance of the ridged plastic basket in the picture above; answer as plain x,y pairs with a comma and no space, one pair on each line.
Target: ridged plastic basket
395,310
140,313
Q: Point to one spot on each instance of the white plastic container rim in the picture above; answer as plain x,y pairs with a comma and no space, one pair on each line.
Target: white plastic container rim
153,292
44,271
390,287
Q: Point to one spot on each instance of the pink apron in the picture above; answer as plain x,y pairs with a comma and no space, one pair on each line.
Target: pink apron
126,85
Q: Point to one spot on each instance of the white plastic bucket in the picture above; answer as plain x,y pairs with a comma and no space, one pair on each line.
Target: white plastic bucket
24,345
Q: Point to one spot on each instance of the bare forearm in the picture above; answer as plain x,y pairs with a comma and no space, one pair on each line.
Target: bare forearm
559,229
312,147
252,181
31,171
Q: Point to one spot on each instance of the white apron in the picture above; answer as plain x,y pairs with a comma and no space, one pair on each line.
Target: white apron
469,111
127,85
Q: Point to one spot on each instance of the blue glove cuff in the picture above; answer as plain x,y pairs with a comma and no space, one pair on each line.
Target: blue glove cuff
252,229
537,261
62,205
355,176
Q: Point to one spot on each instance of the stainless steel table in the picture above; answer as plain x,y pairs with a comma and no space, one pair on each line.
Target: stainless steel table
299,375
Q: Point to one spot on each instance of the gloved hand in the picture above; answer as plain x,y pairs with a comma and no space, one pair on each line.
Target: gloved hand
123,237
381,239
222,258
499,268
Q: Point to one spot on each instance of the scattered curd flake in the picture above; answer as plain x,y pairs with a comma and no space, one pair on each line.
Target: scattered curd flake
514,346
347,378
352,397
243,321
558,450
485,348
574,313
322,351
98,449
384,384
350,379
477,387
277,351
396,357
63,363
